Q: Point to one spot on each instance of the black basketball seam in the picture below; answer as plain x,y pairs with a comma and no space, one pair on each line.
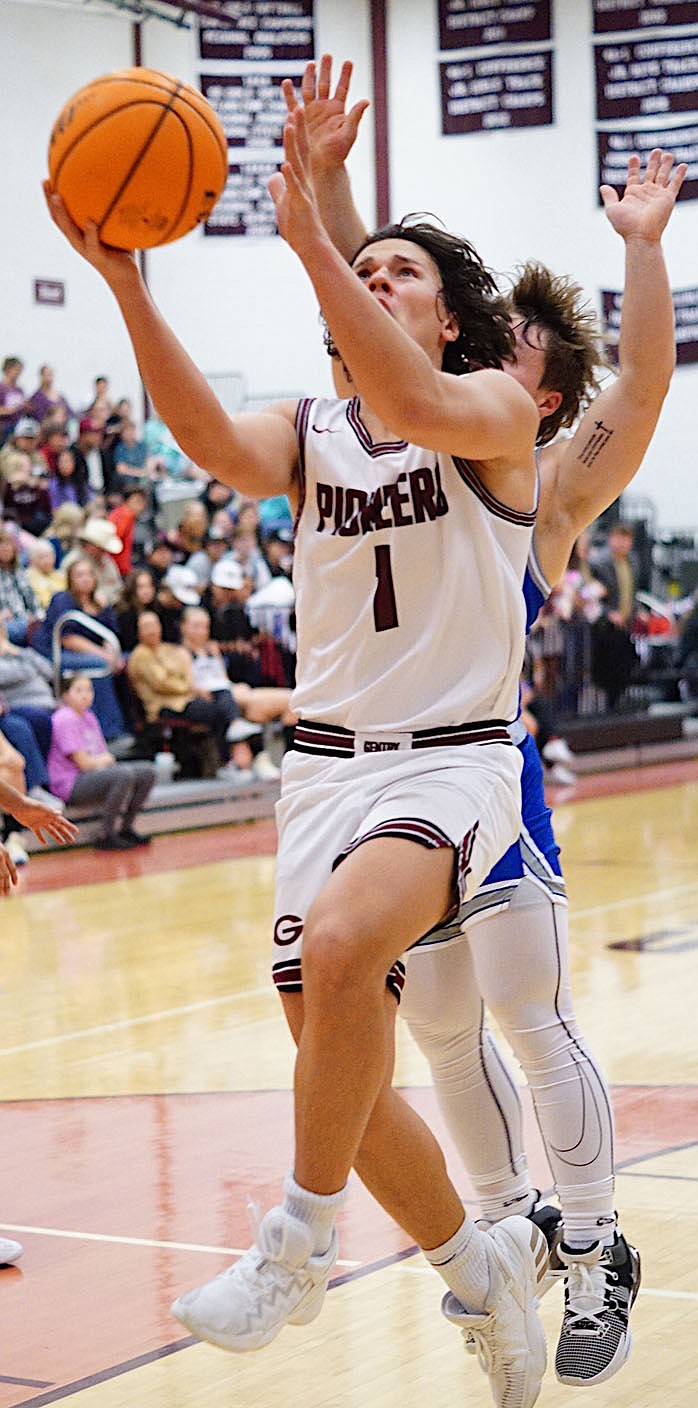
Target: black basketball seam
173,223
134,164
181,93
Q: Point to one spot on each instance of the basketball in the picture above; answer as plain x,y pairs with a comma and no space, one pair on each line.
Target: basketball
139,153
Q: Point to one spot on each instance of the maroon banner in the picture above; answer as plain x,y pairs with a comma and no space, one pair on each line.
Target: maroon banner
463,25
260,30
613,15
685,302
250,106
245,207
506,90
614,148
656,76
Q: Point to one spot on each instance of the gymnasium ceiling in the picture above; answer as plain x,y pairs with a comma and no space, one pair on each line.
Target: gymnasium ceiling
177,12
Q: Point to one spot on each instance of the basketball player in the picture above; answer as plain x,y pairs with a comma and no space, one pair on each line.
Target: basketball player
403,787
514,949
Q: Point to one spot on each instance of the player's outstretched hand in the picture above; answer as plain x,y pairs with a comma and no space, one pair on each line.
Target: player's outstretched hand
644,209
39,819
8,871
292,191
109,262
331,130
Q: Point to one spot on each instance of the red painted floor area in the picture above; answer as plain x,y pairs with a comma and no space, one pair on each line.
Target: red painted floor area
173,1169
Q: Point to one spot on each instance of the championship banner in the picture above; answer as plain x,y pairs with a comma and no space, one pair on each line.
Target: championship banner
643,77
259,30
610,16
685,302
614,148
496,91
245,56
463,25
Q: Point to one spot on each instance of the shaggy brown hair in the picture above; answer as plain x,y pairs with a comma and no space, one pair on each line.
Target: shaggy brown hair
574,353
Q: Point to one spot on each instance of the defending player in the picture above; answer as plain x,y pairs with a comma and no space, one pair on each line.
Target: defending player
515,953
404,786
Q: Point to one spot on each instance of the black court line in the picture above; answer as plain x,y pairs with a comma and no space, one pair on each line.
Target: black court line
25,1383
104,1375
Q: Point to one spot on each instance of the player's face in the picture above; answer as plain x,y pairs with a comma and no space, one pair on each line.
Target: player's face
405,280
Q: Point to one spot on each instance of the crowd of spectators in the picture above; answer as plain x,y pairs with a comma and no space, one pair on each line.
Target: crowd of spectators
169,594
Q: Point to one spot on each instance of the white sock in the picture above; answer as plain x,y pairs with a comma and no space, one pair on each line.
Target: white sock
464,1265
317,1210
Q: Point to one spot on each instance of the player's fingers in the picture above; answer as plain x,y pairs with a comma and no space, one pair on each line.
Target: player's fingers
289,93
308,82
609,196
653,164
665,165
678,178
633,175
324,77
343,82
355,115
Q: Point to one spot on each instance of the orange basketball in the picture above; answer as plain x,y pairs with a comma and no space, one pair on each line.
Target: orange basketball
141,154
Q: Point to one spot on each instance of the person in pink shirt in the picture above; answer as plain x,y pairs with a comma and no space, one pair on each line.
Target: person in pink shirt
84,773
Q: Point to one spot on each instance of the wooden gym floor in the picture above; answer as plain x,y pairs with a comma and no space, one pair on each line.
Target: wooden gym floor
145,1074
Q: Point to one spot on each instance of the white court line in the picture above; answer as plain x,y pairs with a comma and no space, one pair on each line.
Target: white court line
137,1241
162,1016
415,1267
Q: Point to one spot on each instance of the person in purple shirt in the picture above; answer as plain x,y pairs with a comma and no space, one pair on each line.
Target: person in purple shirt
84,773
13,402
46,401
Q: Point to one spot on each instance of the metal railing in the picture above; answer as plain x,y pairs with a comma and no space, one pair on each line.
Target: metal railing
96,628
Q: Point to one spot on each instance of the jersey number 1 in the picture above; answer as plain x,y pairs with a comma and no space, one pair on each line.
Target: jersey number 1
384,607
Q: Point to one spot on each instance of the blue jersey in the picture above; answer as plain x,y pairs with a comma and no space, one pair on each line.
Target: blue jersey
536,853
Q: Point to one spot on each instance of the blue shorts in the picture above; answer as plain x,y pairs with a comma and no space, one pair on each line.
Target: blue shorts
535,856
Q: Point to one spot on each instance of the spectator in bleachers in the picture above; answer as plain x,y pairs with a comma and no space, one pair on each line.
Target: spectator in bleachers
247,518
13,402
96,538
53,437
190,534
259,705
159,557
25,438
68,483
138,595
274,517
230,625
278,552
161,674
80,649
614,658
220,496
101,403
46,400
25,497
45,577
84,772
27,703
133,466
250,557
62,530
19,607
222,520
89,454
124,518
202,563
178,588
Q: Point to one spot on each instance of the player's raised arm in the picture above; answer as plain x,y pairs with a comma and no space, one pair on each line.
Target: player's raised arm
389,340
583,475
331,133
257,454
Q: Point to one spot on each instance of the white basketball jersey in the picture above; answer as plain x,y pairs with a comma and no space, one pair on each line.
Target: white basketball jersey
408,582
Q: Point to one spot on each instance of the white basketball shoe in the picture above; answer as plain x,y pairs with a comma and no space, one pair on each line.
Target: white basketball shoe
10,1251
277,1282
509,1339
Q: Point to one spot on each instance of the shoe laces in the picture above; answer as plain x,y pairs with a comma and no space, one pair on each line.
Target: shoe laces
588,1297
